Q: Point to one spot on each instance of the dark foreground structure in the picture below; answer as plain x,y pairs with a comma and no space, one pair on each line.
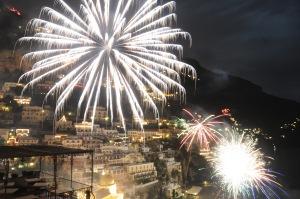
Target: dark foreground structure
30,184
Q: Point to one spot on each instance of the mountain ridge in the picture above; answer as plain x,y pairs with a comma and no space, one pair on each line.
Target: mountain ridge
247,101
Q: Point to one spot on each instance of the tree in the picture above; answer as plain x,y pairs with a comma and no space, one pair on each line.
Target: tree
174,194
154,145
161,168
9,101
2,141
175,174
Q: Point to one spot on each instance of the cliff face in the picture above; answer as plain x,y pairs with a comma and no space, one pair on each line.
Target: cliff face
9,61
10,70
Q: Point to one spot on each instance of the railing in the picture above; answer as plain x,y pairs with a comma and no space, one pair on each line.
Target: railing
65,188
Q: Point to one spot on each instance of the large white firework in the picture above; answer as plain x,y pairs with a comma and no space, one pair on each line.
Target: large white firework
124,48
241,168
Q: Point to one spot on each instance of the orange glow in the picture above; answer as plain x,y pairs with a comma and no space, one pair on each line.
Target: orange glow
15,11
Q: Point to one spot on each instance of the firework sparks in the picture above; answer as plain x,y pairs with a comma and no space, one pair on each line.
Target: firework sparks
242,169
125,49
226,111
15,11
201,130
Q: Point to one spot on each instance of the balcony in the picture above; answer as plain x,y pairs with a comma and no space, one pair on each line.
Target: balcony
44,182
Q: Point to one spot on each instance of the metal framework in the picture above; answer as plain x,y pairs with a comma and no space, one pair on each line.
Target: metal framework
8,152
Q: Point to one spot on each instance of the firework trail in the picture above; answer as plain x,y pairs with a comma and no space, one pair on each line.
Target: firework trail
201,130
241,168
124,49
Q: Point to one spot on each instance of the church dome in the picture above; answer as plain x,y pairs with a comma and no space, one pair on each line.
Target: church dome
106,180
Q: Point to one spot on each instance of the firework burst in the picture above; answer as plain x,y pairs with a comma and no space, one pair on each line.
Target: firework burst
201,130
241,168
124,49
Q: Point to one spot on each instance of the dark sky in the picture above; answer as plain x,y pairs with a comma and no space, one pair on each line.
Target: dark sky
258,40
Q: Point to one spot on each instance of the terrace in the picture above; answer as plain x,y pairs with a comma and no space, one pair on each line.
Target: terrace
40,183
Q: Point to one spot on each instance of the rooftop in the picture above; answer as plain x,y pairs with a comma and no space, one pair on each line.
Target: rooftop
194,190
38,150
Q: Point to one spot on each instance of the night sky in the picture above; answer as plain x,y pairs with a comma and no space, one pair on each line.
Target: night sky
258,40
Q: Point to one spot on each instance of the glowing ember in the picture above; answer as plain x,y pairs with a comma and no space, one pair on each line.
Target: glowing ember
226,111
15,11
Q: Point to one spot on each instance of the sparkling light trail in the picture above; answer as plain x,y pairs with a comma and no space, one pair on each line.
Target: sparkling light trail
124,49
201,130
241,168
